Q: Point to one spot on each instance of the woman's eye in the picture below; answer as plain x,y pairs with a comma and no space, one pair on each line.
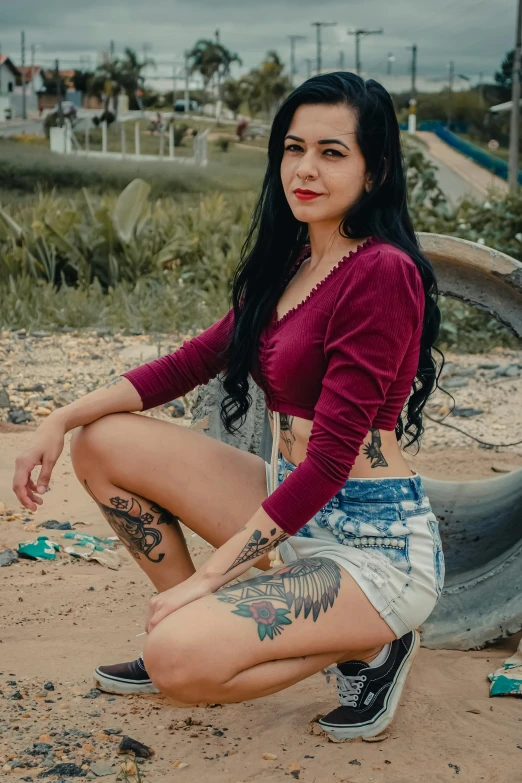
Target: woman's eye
334,154
293,148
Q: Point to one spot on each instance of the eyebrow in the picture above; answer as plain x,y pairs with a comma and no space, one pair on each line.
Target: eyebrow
321,141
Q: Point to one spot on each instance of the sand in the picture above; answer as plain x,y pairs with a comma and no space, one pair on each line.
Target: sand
55,628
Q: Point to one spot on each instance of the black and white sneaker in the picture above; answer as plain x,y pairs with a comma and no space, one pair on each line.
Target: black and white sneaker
124,678
369,696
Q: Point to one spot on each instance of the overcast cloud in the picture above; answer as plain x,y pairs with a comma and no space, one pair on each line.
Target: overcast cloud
474,33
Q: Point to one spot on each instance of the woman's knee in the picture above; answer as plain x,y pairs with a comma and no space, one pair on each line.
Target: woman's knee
96,439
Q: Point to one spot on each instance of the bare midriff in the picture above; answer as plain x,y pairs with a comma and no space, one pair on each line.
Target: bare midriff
380,454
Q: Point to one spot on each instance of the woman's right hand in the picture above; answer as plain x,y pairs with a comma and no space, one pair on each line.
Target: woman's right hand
44,449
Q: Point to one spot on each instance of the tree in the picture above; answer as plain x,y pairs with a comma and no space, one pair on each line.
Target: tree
211,60
233,95
504,76
266,86
82,80
116,76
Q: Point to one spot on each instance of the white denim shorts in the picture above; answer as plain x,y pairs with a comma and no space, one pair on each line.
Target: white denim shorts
385,534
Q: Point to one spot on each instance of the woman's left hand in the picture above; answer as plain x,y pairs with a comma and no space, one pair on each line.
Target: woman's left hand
165,603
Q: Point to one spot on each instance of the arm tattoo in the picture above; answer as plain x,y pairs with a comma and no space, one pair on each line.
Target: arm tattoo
133,525
373,451
309,585
287,434
113,382
256,546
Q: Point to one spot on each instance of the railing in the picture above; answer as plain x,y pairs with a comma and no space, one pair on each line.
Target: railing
65,142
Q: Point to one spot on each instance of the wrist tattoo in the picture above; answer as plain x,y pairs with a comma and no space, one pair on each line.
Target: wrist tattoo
373,451
256,546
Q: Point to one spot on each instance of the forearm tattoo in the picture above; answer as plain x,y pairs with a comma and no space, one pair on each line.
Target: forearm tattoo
287,434
256,546
308,586
133,526
373,451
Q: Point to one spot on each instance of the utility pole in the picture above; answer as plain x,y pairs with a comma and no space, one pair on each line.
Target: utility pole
358,33
390,60
341,61
514,128
308,61
58,91
293,68
217,37
450,96
318,26
481,89
412,117
187,97
112,51
24,110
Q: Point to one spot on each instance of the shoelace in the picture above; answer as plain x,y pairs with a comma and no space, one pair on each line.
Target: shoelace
349,687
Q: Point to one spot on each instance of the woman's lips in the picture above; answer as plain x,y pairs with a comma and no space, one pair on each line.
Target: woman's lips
306,195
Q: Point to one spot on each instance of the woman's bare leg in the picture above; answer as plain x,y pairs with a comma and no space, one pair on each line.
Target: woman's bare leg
147,475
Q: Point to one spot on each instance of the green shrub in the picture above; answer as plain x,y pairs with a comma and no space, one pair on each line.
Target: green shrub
223,143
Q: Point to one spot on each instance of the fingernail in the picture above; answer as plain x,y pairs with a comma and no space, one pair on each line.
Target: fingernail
41,490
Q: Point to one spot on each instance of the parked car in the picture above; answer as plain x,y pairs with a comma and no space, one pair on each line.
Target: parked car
179,106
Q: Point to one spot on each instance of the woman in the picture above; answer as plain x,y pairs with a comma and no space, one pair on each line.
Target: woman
334,314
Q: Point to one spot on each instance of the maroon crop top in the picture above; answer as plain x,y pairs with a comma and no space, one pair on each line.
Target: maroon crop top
346,358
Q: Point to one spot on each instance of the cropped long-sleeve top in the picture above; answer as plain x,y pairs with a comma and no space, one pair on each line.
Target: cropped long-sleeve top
345,358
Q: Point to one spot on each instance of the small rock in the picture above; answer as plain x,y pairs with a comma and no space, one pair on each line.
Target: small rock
175,408
112,731
355,762
454,383
69,769
455,767
92,694
8,557
49,686
95,356
466,412
269,756
102,768
40,334
37,387
138,748
19,416
179,764
4,398
16,696
474,711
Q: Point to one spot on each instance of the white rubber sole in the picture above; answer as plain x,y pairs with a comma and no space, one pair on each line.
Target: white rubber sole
384,720
121,687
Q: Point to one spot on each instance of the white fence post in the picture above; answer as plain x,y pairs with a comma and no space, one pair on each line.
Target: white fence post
104,137
87,135
137,138
171,139
162,143
123,140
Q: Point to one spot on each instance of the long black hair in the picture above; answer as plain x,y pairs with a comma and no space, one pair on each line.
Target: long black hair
276,238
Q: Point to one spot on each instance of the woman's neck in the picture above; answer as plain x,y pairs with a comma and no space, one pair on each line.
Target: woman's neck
327,244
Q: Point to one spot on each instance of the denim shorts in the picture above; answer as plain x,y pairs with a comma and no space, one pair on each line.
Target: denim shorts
385,534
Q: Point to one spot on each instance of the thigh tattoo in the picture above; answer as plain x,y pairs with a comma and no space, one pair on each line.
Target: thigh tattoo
132,524
308,586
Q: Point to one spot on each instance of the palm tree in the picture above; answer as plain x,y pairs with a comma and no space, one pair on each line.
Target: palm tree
266,86
212,60
116,76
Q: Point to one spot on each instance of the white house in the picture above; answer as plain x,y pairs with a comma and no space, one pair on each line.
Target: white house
12,87
9,73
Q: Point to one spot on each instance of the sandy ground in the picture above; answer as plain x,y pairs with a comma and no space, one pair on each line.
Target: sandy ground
59,619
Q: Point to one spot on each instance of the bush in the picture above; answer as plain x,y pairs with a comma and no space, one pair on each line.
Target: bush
223,143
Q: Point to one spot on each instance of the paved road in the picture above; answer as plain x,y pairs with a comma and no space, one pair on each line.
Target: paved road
14,127
457,174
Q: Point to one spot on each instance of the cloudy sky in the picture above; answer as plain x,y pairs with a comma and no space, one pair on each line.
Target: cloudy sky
474,33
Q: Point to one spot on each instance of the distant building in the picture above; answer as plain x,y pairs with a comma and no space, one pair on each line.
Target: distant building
9,74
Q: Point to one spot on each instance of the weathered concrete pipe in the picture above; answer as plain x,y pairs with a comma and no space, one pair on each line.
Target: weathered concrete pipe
480,521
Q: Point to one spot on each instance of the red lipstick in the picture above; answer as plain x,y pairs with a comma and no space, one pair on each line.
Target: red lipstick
306,195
